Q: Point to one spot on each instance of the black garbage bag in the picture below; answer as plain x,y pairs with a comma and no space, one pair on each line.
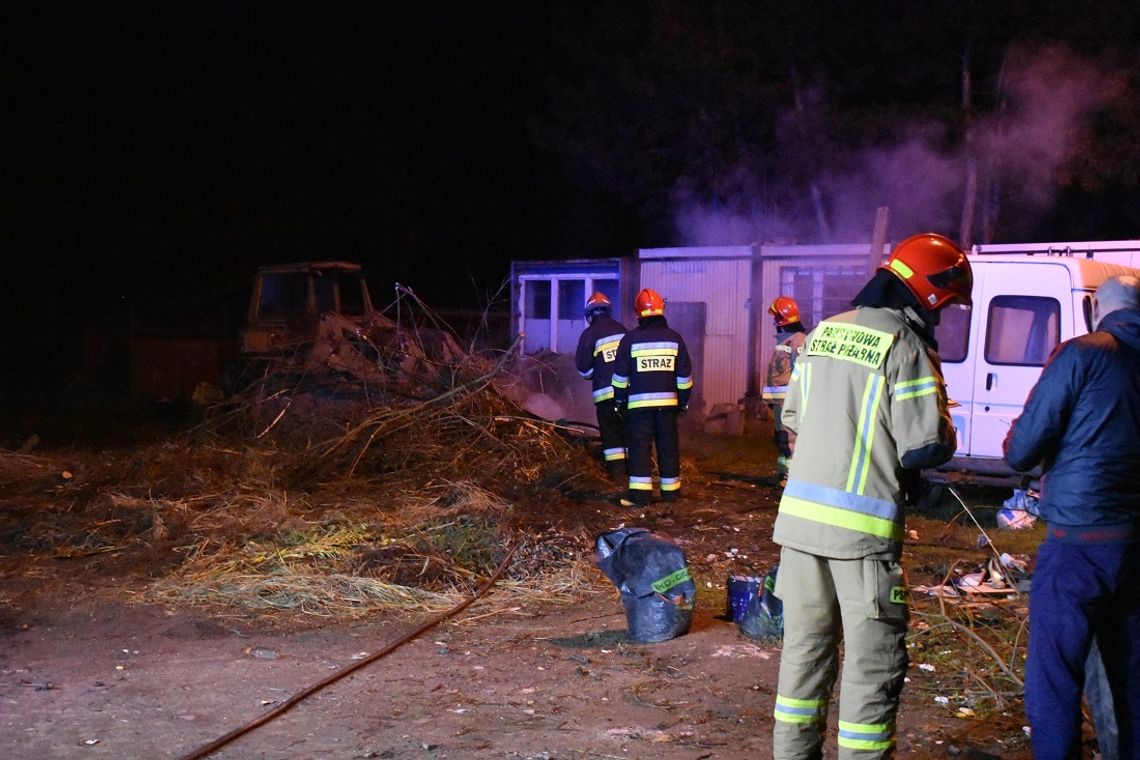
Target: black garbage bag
649,569
763,616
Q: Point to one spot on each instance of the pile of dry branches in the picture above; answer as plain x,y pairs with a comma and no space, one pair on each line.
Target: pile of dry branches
336,506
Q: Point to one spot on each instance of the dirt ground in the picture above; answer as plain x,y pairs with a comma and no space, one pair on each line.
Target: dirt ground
88,670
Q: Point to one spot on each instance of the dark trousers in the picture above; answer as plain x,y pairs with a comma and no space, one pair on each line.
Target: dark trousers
646,428
611,428
1080,591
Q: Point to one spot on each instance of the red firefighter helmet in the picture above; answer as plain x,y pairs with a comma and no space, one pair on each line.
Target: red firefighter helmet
649,303
597,302
933,268
784,311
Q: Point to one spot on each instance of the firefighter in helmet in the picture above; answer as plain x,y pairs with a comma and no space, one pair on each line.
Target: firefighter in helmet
868,403
597,350
653,379
790,334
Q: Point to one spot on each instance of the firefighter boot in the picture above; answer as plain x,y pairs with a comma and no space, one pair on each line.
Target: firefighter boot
634,498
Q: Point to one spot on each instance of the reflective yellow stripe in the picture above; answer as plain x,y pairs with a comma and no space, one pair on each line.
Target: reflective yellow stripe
923,386
904,271
805,387
790,710
841,518
868,736
865,435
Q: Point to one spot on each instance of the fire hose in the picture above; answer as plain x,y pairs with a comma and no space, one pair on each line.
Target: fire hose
307,692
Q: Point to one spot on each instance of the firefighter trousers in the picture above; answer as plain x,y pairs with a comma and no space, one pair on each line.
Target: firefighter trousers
611,429
784,439
645,429
862,601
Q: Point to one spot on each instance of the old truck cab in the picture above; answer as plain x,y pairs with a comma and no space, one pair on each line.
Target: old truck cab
289,300
1026,300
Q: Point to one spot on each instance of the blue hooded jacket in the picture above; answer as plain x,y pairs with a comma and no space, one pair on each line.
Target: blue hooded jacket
1082,423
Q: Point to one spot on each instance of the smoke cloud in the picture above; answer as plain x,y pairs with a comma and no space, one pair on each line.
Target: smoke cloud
1047,98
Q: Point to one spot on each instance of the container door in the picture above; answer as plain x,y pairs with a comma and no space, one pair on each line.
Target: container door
1023,311
689,318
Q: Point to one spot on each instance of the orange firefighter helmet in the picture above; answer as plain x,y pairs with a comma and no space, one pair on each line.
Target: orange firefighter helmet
598,301
784,311
649,303
933,268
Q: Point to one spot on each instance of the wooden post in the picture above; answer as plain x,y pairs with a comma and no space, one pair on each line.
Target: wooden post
878,240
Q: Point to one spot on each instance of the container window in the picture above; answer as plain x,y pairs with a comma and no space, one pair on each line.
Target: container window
571,299
1022,330
537,299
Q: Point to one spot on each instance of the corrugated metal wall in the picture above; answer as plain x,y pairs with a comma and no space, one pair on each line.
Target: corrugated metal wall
822,279
723,284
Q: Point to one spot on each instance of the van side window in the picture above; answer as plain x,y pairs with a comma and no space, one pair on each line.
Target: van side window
953,332
1022,330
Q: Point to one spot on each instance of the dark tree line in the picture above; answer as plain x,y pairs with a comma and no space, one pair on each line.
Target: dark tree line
729,121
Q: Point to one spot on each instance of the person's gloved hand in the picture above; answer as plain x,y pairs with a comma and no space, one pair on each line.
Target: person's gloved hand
682,409
619,407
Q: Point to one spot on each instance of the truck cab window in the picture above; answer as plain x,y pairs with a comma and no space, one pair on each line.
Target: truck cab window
351,291
325,287
1022,330
283,295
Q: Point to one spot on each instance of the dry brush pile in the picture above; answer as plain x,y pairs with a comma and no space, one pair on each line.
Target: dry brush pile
409,505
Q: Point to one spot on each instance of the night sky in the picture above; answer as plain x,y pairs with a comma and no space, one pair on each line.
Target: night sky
170,148
159,151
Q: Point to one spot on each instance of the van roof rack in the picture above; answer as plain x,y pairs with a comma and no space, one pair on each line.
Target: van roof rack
1087,249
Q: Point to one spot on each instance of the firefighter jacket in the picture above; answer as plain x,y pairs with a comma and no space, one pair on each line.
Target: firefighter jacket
868,402
653,368
1082,423
597,350
789,345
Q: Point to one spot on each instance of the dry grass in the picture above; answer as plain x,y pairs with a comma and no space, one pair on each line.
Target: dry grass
970,647
401,512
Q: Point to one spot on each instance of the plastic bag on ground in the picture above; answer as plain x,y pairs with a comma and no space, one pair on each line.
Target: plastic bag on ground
1019,511
763,617
650,571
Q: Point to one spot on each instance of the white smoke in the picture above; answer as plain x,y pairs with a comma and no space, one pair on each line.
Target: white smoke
1048,97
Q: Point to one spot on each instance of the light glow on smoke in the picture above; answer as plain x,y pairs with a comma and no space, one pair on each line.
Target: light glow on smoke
1049,97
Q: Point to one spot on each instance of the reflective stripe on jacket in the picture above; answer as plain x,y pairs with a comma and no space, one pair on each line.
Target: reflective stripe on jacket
788,348
653,368
868,402
597,350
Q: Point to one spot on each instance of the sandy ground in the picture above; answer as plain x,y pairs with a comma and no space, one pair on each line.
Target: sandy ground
94,678
87,670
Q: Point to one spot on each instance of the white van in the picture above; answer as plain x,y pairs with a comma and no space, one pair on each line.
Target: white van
1027,299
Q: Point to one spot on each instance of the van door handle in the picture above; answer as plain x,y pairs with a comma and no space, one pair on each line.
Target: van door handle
989,380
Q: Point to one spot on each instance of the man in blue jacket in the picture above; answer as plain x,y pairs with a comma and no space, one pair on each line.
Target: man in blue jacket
1082,424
